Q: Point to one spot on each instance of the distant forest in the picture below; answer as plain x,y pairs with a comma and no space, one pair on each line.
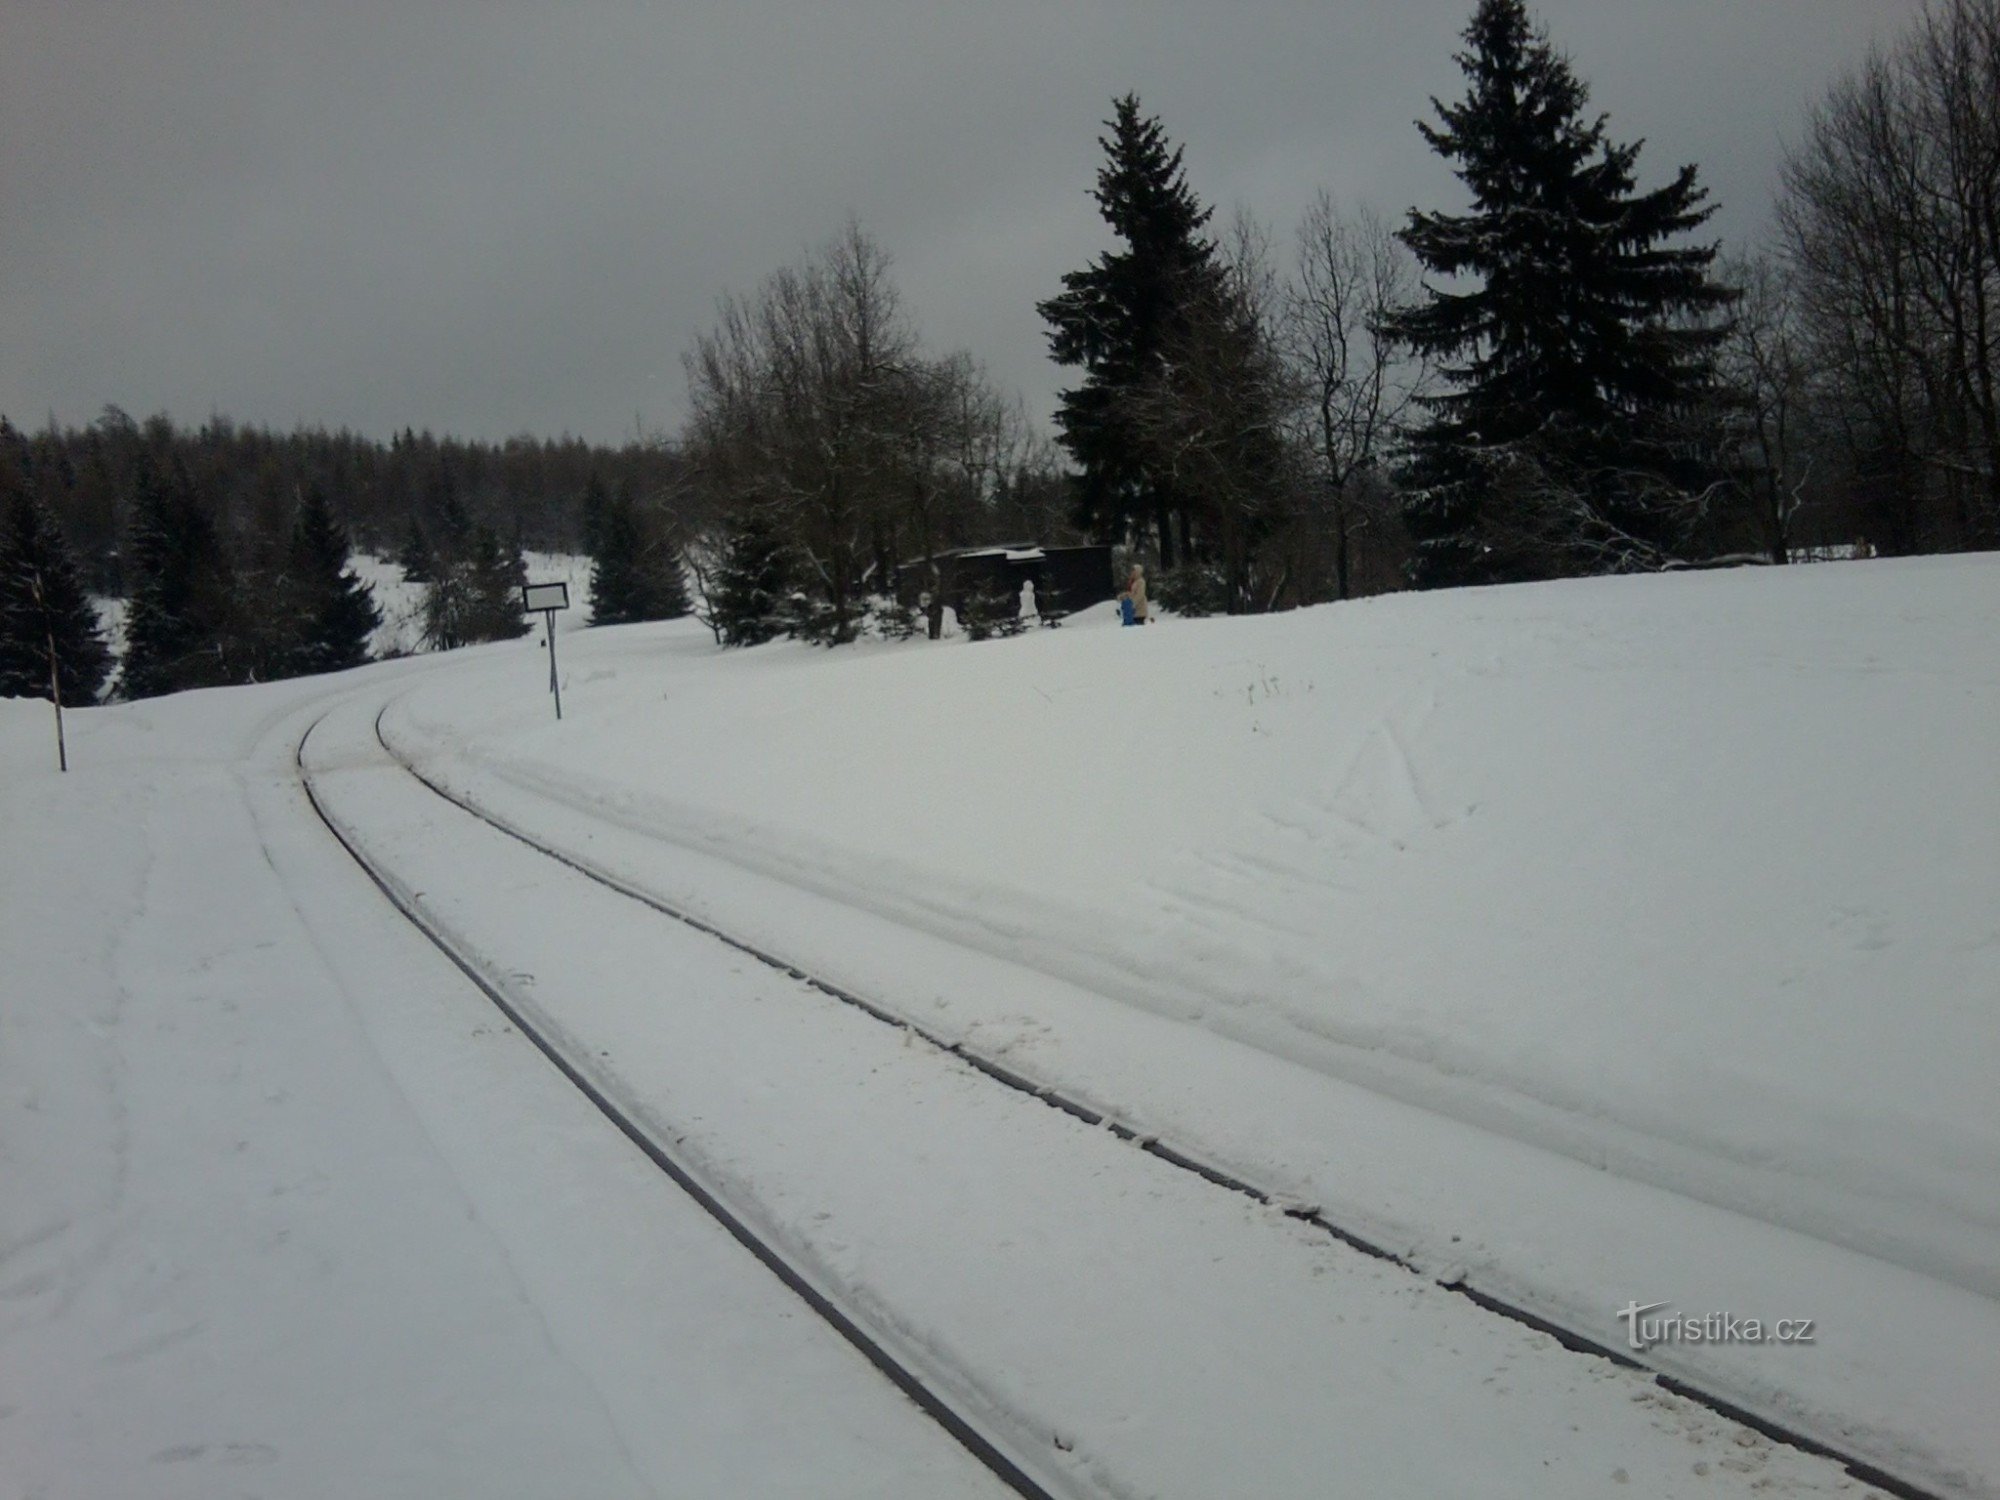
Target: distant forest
253,482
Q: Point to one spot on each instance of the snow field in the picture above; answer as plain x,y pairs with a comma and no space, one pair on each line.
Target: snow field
1598,942
1902,1375
1520,855
284,1208
1682,879
1140,1331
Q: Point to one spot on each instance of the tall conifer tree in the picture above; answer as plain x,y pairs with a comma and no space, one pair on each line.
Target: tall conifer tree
1114,319
43,607
1574,345
418,557
497,573
595,508
333,613
633,577
182,627
477,597
753,585
450,612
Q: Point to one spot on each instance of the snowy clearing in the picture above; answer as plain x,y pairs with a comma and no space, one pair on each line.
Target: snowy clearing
1592,943
401,632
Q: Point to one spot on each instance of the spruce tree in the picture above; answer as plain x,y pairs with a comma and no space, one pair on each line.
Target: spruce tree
1575,351
633,577
667,597
596,510
475,594
450,616
332,612
182,629
43,608
616,586
753,585
497,572
417,557
1115,318
450,523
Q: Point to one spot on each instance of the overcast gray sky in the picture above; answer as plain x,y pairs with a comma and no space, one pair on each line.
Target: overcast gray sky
495,218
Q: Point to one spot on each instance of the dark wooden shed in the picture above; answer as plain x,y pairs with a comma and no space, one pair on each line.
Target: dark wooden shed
1073,578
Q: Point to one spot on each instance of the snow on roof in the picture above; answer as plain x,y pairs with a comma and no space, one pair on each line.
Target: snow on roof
1012,551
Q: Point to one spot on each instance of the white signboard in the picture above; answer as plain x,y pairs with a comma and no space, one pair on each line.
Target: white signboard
536,597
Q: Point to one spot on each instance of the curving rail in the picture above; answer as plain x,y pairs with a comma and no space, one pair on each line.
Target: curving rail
1177,1156
982,1448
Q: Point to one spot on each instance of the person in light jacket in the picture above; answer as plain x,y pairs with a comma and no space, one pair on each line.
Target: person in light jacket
1132,603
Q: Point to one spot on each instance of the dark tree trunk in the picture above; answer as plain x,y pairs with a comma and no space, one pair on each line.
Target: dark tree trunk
1341,561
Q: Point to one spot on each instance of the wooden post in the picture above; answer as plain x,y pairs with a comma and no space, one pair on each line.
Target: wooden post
55,675
55,693
555,682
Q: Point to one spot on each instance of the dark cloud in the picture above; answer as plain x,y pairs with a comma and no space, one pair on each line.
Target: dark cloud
503,217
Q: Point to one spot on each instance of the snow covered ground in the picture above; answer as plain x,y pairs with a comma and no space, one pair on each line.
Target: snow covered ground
1623,941
401,632
286,1210
111,615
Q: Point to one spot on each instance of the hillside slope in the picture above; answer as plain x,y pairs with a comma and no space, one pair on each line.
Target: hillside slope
1602,941
1690,876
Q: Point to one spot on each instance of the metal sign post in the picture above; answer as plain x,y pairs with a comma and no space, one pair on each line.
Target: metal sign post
545,599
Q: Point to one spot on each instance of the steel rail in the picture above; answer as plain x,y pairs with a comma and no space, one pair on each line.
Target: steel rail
1187,1160
984,1450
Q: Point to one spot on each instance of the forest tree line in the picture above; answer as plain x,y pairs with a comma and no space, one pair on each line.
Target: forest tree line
231,545
1560,377
1564,378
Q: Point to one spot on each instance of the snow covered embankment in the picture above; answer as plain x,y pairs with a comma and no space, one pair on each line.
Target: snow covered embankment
1116,1323
1687,878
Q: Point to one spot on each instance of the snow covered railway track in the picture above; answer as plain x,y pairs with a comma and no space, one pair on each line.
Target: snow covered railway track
933,1403
1177,1156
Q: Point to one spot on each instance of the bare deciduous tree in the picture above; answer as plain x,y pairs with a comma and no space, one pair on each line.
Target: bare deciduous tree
1211,417
1764,363
1891,217
813,402
1357,384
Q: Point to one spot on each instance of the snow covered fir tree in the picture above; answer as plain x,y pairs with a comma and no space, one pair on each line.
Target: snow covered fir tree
329,614
416,557
1175,429
476,593
200,617
634,575
750,597
1580,432
49,638
186,627
1113,321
